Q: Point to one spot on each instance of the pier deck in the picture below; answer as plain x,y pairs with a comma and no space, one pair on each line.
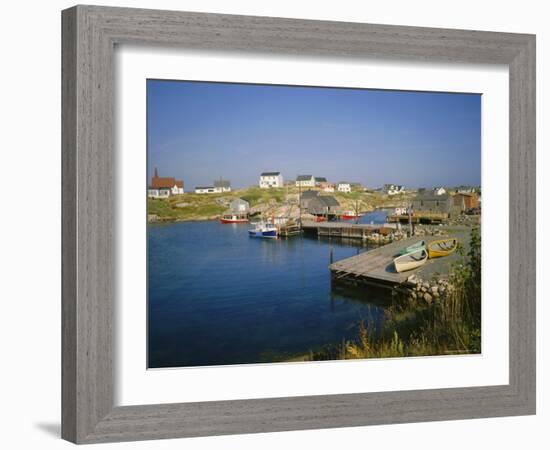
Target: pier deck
376,266
345,229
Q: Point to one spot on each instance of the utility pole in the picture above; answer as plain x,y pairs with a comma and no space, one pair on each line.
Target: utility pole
410,212
300,203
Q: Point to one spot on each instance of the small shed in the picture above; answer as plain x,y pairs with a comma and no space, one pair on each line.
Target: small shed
463,202
307,196
239,206
324,204
429,202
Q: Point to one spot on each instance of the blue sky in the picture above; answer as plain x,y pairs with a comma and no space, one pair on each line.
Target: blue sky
199,132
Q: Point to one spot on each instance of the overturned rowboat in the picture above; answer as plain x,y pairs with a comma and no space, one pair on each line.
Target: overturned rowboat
442,247
411,260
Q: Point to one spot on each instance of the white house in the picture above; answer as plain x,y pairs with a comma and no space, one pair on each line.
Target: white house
208,190
393,189
305,181
465,190
224,185
271,180
158,192
343,186
439,191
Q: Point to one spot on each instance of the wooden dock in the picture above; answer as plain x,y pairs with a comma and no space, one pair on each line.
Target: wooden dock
346,230
424,217
376,266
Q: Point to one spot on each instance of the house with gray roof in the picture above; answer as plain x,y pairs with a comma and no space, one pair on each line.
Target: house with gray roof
271,180
428,201
322,205
305,181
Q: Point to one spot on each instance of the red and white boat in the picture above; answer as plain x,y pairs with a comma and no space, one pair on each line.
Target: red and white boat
234,218
350,215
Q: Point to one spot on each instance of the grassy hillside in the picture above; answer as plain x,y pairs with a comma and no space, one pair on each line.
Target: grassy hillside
192,206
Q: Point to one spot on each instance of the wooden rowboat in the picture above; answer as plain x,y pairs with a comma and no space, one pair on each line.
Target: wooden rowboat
442,247
411,248
411,260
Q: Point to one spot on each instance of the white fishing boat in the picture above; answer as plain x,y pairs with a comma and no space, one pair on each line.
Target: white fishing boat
263,230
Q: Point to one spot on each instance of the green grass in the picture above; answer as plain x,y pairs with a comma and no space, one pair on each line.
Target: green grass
256,195
200,207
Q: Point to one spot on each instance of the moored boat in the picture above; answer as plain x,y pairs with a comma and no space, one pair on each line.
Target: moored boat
263,230
411,248
411,260
442,247
234,218
350,215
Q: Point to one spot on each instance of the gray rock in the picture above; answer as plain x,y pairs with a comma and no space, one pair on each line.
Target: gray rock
427,298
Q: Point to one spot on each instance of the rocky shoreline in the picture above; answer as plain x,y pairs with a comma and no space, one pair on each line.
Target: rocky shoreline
417,290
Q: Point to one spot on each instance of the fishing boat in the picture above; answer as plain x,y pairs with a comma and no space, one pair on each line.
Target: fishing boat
411,248
350,215
234,218
442,247
263,230
411,260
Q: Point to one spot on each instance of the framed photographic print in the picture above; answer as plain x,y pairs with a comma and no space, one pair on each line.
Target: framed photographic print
268,222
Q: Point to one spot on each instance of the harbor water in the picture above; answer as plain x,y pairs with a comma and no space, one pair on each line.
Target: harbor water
218,297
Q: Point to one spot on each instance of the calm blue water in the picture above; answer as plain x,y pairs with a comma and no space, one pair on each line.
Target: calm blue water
218,297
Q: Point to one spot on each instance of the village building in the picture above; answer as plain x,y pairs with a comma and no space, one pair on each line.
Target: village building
343,186
324,205
307,196
223,185
164,187
207,190
305,181
271,180
239,206
158,192
320,181
466,189
393,189
327,187
440,190
464,202
429,202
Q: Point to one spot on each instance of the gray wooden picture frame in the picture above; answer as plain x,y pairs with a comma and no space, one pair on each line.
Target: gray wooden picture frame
89,36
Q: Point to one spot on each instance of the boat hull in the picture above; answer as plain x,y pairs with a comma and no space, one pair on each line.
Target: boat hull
349,217
411,248
269,234
222,220
411,260
443,247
